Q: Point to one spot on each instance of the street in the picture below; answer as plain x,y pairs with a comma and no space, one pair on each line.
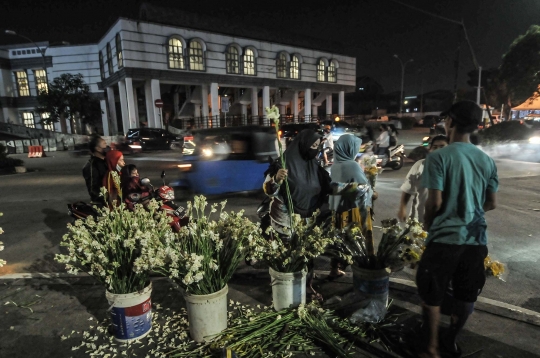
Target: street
35,214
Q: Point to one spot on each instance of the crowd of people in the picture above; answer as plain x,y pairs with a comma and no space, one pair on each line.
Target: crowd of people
451,190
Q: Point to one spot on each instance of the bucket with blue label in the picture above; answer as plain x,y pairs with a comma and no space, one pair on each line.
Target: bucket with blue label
131,314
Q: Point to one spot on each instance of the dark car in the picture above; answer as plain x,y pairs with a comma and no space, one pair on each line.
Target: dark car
152,139
341,127
431,120
290,130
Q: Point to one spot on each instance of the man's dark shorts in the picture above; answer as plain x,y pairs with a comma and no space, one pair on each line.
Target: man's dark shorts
442,263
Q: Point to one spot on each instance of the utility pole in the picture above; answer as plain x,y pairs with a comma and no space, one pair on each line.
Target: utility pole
479,85
402,81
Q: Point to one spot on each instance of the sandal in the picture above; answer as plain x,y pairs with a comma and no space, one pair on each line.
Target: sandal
449,351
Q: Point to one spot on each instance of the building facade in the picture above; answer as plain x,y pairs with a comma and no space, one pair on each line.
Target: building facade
137,63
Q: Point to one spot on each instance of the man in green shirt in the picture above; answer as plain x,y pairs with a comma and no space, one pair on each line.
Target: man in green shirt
462,183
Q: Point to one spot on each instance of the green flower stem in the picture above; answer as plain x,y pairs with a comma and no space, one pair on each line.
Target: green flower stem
287,190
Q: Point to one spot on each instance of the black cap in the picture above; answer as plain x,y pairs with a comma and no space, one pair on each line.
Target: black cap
464,113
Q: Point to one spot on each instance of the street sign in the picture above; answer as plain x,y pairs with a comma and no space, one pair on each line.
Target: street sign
158,103
224,104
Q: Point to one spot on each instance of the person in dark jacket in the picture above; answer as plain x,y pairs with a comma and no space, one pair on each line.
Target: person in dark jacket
95,169
309,185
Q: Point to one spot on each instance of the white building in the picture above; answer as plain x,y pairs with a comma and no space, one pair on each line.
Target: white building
138,62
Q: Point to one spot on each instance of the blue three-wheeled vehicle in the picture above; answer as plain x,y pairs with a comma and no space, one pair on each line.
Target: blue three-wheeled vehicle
226,160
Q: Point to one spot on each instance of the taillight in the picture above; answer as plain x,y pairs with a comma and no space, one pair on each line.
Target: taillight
280,133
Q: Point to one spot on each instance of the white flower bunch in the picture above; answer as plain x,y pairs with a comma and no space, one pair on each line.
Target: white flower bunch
369,161
120,247
272,113
402,247
2,262
202,257
291,254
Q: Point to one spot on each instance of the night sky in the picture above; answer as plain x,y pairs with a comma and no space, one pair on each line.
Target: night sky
371,30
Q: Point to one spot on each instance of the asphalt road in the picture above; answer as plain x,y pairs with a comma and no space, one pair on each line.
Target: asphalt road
35,214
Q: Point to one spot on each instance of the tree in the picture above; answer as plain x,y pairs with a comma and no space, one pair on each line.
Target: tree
520,67
68,96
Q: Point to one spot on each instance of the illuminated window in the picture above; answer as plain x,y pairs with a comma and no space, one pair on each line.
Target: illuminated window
41,81
101,66
281,65
295,67
332,72
232,60
109,59
321,71
28,119
196,59
119,54
22,83
45,116
176,53
249,62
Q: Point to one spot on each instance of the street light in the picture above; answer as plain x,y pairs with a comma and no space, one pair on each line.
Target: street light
402,79
42,52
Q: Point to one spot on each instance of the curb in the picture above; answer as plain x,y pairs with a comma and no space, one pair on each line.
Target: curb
483,304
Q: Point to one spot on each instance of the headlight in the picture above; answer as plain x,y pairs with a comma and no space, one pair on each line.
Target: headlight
534,140
425,139
169,195
207,152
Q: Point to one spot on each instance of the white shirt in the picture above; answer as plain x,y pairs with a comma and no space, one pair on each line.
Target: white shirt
413,186
329,142
384,139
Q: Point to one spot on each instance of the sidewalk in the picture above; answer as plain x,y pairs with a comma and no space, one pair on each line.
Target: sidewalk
38,311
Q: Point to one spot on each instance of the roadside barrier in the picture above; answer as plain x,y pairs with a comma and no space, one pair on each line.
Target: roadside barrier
36,151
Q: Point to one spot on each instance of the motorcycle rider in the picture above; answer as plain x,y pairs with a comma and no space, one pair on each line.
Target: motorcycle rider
383,141
328,144
131,182
95,169
111,180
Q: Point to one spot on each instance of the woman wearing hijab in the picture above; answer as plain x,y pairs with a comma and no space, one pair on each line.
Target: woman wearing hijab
353,207
111,181
309,185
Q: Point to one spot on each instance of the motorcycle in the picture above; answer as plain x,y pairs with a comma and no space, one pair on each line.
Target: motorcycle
81,210
393,157
164,195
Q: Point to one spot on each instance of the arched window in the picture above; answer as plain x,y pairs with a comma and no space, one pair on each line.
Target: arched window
281,66
232,57
109,59
321,70
196,58
101,66
176,53
332,71
295,67
250,65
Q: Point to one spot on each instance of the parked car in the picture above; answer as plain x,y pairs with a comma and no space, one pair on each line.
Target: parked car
152,139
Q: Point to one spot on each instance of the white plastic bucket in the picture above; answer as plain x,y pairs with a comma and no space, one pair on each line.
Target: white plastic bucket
207,314
288,289
131,314
371,283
